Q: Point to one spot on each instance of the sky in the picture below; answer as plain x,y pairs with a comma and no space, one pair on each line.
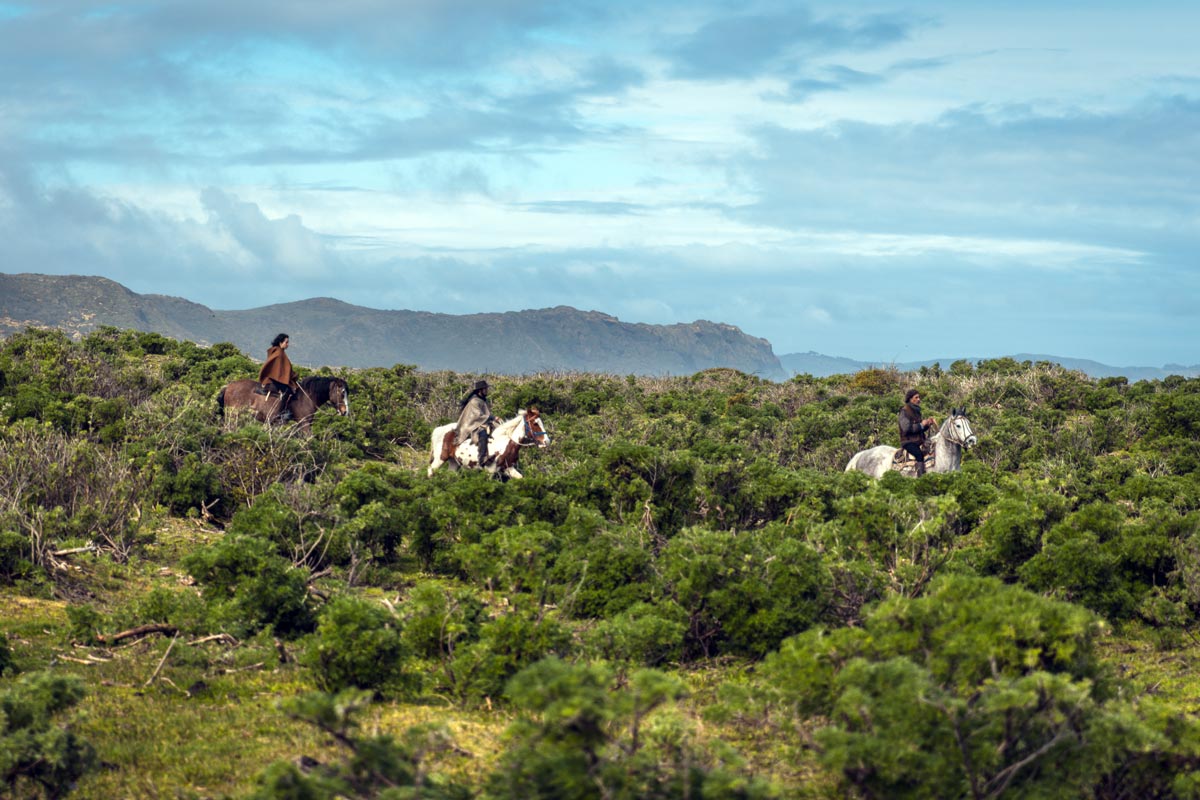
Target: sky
878,180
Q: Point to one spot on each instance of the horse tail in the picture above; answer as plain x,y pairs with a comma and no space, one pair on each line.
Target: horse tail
221,403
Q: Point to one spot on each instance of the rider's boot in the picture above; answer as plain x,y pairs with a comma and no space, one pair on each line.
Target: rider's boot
483,449
285,402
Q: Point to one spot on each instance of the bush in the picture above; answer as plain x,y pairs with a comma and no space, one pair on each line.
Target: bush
437,619
358,645
978,689
248,586
586,739
644,634
375,766
7,665
743,592
506,645
34,752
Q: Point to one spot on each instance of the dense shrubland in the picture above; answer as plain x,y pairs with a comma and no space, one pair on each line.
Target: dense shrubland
934,637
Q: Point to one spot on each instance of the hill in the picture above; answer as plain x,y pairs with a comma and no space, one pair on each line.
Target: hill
822,366
328,331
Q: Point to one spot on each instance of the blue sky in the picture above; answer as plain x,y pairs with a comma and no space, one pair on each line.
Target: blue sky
877,180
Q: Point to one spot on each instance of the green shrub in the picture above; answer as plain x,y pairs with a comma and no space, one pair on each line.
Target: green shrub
249,586
587,739
506,645
379,766
603,570
7,665
438,619
35,753
358,645
644,634
975,689
14,556
743,592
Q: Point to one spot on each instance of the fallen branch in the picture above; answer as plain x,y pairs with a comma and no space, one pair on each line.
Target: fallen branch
89,549
162,661
222,637
231,670
141,630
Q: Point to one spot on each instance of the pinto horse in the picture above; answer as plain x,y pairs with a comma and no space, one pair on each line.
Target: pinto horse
314,392
952,438
526,429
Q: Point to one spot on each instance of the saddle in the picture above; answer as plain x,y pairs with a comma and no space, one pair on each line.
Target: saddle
903,459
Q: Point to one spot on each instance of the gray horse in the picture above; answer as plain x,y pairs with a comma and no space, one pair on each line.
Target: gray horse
949,442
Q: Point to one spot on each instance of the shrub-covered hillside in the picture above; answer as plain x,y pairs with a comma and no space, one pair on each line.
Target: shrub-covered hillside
686,596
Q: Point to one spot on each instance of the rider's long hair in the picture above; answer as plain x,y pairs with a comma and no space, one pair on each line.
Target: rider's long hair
278,340
463,403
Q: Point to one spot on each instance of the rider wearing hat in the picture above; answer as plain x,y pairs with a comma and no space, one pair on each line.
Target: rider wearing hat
277,374
913,428
476,420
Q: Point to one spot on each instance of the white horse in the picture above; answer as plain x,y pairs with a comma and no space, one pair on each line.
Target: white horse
524,430
949,442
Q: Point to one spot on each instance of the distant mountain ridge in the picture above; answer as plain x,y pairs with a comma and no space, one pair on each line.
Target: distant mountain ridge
820,366
329,331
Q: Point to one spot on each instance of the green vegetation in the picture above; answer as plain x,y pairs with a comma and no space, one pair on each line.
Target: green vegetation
686,596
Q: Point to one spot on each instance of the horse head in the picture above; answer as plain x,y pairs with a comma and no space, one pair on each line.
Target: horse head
957,429
339,396
535,430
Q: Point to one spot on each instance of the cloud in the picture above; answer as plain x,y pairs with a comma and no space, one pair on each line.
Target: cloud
604,208
748,45
833,79
1112,180
284,247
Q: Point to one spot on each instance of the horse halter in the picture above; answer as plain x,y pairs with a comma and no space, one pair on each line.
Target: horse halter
530,433
954,433
342,405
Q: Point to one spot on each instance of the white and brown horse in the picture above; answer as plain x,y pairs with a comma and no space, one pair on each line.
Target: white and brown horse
952,438
315,391
507,439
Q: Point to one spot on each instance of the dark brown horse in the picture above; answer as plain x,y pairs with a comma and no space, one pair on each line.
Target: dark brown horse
314,392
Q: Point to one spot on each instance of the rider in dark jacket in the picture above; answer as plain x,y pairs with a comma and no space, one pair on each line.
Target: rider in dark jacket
913,428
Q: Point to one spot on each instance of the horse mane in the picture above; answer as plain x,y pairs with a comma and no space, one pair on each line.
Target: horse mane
318,386
312,382
508,426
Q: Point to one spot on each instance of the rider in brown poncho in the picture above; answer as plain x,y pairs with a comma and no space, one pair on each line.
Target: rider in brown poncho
277,375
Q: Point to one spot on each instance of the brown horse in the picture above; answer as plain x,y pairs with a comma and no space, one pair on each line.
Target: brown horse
314,392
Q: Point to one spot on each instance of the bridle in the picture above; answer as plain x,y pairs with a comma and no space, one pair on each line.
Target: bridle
343,404
530,433
956,436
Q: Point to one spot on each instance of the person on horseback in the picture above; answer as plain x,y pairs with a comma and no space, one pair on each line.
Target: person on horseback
475,420
913,428
277,375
